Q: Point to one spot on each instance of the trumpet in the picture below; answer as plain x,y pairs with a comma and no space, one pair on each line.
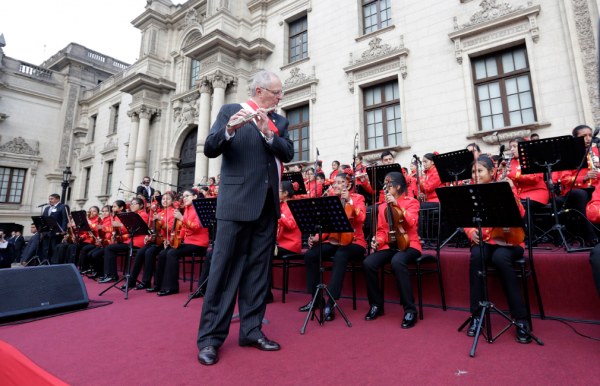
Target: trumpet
249,117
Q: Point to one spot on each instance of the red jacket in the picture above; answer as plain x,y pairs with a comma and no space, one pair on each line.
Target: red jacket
487,231
410,208
288,234
94,222
331,179
568,176
192,232
411,183
528,185
107,229
360,213
369,189
162,222
138,241
592,210
429,182
310,189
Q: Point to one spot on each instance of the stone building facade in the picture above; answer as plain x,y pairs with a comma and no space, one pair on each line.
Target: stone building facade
411,77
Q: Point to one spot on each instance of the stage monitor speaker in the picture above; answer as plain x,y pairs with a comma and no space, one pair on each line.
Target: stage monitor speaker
37,291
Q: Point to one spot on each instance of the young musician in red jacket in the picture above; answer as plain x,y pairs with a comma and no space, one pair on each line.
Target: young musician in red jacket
111,251
593,214
398,259
502,258
413,190
340,254
386,159
310,185
335,165
84,237
86,259
194,241
430,180
96,225
118,206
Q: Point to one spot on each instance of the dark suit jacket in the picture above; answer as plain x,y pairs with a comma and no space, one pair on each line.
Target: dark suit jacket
59,215
248,167
19,242
31,249
142,189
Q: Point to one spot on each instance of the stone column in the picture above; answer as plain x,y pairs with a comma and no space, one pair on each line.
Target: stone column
133,138
219,82
204,120
143,142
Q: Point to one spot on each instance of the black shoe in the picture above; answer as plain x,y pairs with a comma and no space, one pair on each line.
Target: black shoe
329,314
409,320
373,313
94,275
522,337
473,326
208,356
109,279
140,287
152,289
122,288
265,344
85,271
167,292
102,278
306,308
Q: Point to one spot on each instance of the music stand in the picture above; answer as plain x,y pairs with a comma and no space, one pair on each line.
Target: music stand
454,166
478,206
377,173
318,215
136,227
295,177
47,224
41,227
552,155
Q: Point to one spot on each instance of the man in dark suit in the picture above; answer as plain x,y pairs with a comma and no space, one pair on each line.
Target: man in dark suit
145,189
19,242
57,210
31,249
247,212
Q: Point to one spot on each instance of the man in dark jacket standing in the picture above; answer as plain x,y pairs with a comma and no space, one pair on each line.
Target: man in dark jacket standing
247,213
57,210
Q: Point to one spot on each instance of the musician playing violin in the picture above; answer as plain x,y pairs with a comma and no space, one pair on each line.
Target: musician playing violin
409,206
110,276
502,258
386,159
88,265
339,254
310,185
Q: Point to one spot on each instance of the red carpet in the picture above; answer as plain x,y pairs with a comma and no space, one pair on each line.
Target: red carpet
148,340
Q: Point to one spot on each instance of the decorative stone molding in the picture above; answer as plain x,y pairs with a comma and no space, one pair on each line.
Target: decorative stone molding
133,115
81,202
111,145
192,17
86,156
146,112
508,133
373,155
20,146
297,77
300,87
499,23
370,35
379,58
587,45
490,10
103,198
65,144
220,80
186,109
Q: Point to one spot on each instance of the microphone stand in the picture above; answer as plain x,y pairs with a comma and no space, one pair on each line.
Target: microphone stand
315,173
171,185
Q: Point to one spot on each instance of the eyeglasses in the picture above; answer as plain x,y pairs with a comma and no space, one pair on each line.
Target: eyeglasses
187,195
146,182
276,93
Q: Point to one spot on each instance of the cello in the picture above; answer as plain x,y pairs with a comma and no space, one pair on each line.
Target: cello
344,238
397,236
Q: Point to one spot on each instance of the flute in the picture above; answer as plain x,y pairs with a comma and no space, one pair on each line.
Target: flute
249,117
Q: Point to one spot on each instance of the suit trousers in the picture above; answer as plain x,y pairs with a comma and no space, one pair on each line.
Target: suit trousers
146,257
399,261
59,254
167,269
205,268
49,243
243,253
502,259
85,258
595,262
340,256
110,257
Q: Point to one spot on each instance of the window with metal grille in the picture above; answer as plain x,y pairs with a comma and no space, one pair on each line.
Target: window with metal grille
298,39
86,189
109,174
194,73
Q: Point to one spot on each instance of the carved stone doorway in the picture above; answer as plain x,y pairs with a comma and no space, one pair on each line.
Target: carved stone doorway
187,165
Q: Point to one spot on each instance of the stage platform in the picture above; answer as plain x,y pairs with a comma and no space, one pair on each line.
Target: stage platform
147,340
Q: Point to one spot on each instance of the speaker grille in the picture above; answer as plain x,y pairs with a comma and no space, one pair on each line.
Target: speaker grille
46,288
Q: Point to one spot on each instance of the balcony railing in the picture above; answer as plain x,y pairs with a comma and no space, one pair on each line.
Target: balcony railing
35,71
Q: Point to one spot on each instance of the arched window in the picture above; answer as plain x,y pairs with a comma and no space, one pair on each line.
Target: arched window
194,73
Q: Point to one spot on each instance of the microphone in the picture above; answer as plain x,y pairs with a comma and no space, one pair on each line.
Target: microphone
39,206
153,176
502,147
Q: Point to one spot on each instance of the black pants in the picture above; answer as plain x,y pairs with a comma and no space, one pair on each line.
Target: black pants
98,260
146,257
399,261
243,252
280,252
205,268
73,252
59,254
595,262
167,269
110,257
578,200
502,259
49,243
340,256
85,258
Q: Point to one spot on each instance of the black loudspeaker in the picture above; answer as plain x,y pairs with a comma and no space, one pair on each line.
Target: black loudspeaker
36,291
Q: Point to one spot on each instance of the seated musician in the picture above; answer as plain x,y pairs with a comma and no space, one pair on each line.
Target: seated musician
386,159
216,191
85,257
211,184
502,258
310,185
583,184
111,251
340,254
85,239
194,241
360,168
335,166
117,227
430,180
387,254
297,168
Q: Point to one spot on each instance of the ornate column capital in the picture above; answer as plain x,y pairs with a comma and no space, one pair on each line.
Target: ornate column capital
134,116
220,80
204,85
145,112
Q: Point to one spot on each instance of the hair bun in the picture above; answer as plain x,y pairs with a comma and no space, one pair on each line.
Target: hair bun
436,153
296,186
348,171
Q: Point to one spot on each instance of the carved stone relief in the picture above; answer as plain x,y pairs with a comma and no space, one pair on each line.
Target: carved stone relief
20,146
297,77
376,50
191,17
67,127
220,80
490,10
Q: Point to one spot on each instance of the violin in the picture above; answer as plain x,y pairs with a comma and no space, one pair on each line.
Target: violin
175,240
508,237
344,238
397,236
70,233
117,234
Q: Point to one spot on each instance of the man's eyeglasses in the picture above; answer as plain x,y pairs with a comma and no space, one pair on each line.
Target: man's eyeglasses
276,93
146,182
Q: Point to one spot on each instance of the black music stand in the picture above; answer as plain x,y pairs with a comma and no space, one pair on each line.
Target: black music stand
377,174
552,155
478,206
206,209
318,215
136,227
295,177
454,166
47,224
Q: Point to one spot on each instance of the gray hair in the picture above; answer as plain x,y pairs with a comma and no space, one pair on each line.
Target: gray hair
263,80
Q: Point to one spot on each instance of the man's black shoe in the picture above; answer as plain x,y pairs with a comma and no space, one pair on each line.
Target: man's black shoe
208,356
329,314
409,320
373,313
522,337
265,344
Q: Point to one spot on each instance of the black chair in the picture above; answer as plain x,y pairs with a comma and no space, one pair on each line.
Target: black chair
287,262
195,259
418,271
353,268
523,273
